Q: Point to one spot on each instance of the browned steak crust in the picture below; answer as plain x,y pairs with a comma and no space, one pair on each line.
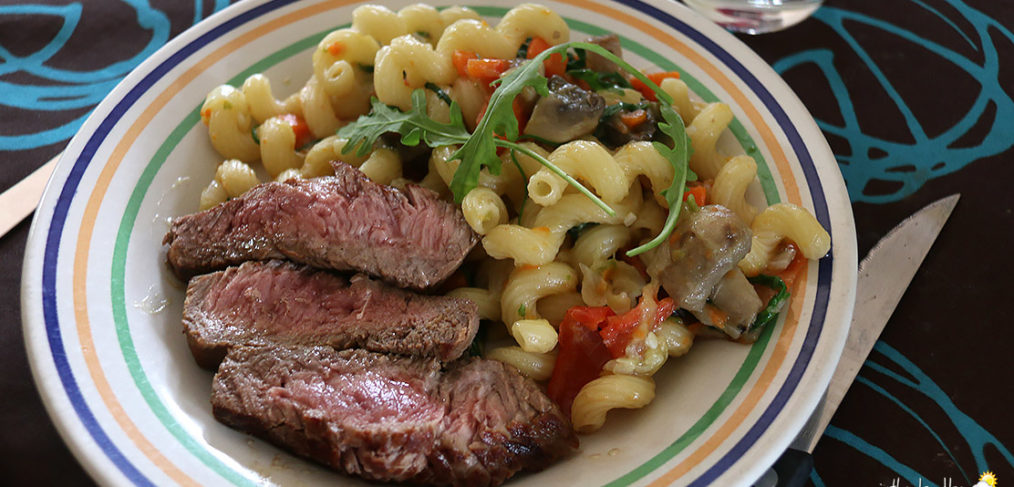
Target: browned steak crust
393,419
344,222
258,303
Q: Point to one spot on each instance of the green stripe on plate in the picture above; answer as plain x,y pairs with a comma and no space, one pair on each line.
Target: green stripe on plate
193,118
119,262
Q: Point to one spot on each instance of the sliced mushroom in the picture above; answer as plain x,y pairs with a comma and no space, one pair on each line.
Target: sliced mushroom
598,63
736,302
703,248
566,113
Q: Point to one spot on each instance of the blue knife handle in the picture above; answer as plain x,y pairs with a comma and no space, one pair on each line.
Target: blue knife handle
793,468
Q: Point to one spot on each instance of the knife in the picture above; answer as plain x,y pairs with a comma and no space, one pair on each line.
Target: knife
884,275
21,199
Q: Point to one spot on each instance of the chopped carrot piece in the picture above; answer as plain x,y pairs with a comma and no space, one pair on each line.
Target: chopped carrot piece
486,70
656,78
634,118
520,115
460,59
554,65
536,46
299,128
336,48
699,194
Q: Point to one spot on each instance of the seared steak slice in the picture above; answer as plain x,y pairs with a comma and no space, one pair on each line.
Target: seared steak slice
279,302
359,412
497,423
392,419
345,222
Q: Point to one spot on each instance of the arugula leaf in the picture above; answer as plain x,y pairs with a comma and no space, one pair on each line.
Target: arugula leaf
578,59
439,92
770,312
615,108
414,126
678,155
499,128
480,150
600,81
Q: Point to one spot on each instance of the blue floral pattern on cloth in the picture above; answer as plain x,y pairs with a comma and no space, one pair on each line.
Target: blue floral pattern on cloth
66,89
910,164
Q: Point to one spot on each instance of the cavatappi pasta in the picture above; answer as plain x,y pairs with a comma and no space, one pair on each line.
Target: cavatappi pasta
550,258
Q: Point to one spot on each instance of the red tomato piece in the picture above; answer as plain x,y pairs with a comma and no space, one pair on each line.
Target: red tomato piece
582,355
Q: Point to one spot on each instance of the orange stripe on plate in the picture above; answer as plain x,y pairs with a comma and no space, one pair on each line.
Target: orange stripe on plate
785,338
749,403
106,175
738,97
80,278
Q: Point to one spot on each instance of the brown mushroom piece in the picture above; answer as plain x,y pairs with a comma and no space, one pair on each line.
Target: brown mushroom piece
615,133
737,303
566,113
701,275
596,62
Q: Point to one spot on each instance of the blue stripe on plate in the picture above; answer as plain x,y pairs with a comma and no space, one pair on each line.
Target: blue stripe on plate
67,193
70,188
821,212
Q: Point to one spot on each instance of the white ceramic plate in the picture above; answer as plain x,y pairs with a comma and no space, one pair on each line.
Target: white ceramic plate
102,315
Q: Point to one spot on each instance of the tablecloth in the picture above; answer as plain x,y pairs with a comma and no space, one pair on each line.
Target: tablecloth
914,97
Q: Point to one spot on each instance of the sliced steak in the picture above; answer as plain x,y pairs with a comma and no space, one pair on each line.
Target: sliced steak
498,423
392,419
280,302
345,222
362,413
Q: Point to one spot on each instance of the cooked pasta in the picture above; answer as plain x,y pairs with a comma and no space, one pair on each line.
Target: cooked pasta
236,177
483,210
598,397
784,221
213,195
535,336
227,116
731,184
526,286
642,159
538,366
704,131
553,263
539,243
586,161
677,337
288,174
278,146
555,306
382,166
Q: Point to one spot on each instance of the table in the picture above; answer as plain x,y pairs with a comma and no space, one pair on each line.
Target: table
915,98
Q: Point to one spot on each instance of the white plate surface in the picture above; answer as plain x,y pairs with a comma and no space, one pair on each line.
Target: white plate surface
102,314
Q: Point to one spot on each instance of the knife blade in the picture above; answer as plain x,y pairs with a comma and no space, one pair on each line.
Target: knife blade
884,275
21,199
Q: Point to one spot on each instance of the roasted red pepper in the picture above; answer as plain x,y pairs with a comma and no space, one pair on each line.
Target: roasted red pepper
582,354
621,329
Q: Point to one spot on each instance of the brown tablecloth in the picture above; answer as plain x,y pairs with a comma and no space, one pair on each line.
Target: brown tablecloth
915,98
